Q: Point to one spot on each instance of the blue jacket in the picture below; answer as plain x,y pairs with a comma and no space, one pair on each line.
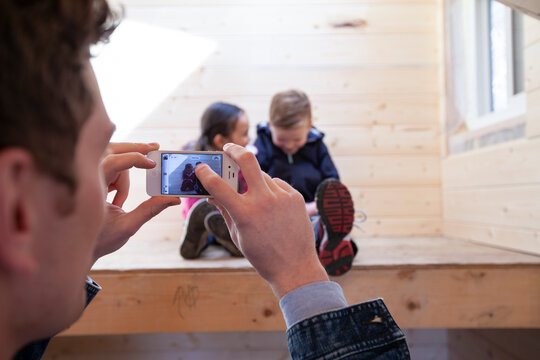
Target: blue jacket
310,165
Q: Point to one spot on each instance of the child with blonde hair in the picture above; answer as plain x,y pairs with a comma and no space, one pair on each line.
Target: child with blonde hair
292,149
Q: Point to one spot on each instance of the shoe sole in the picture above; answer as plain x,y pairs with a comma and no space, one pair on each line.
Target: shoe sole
338,261
336,209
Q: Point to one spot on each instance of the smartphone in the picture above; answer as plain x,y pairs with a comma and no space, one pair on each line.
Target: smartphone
174,174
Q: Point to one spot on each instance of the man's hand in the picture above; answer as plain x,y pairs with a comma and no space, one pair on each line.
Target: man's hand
119,226
268,224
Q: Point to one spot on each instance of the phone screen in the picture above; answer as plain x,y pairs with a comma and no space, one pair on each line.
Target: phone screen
178,172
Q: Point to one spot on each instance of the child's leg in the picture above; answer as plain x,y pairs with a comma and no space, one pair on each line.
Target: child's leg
336,211
215,225
195,237
318,229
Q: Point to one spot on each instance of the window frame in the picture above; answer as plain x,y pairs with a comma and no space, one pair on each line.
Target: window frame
475,72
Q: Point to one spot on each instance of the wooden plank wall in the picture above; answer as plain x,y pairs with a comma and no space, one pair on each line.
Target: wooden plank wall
369,66
492,195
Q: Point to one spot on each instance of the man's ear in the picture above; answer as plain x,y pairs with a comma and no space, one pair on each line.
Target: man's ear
17,175
219,140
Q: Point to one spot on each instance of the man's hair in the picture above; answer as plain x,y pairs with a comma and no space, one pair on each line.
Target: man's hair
290,109
44,98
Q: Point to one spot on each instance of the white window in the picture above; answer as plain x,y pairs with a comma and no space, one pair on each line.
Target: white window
487,62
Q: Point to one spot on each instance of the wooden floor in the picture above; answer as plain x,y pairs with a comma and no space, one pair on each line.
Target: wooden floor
427,282
156,247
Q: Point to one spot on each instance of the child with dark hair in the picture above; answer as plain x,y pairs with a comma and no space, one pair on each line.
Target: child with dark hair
290,148
221,123
198,186
188,178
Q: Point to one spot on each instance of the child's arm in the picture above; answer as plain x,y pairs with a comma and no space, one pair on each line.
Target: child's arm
326,165
262,153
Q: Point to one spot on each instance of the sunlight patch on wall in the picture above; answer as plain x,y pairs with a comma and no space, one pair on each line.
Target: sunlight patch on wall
140,66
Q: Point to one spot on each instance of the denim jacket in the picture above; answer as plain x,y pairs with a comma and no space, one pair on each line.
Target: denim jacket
362,331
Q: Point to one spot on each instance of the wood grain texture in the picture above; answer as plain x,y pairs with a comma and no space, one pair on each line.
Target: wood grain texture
283,17
341,140
200,346
383,170
399,227
533,114
382,140
510,237
155,248
263,2
531,30
491,196
393,50
516,206
506,164
328,109
398,202
184,302
212,81
532,67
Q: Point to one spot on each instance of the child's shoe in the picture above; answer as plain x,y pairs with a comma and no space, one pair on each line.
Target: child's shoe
336,211
215,224
339,260
195,237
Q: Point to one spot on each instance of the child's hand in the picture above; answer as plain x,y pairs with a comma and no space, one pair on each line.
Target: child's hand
268,224
311,208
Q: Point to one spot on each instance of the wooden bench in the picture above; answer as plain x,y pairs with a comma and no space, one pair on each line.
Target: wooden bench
427,282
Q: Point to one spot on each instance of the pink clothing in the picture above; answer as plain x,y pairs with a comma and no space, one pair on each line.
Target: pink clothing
187,203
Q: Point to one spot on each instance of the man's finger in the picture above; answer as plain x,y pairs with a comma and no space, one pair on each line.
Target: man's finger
143,148
283,185
248,164
216,186
147,210
121,186
270,182
113,164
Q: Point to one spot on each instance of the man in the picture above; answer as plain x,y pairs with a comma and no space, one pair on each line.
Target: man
55,164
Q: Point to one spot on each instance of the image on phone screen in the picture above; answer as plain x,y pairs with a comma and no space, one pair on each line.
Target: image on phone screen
178,172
